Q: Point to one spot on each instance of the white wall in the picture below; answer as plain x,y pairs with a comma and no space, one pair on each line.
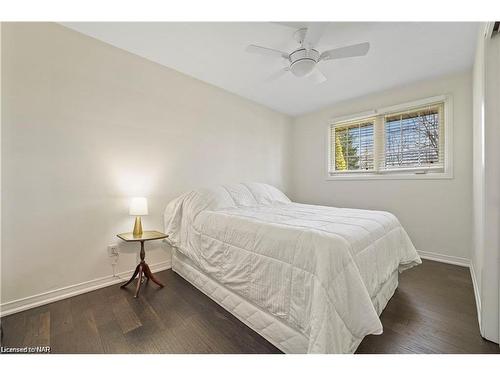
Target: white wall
0,152
486,250
491,257
478,169
85,127
436,213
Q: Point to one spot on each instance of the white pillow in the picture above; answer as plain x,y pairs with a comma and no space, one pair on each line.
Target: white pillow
189,205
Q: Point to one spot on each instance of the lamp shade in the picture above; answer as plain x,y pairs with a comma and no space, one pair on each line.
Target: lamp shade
138,206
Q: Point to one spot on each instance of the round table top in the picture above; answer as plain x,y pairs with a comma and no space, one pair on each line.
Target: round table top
147,235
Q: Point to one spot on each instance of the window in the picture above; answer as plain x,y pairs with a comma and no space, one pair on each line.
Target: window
412,139
404,140
353,146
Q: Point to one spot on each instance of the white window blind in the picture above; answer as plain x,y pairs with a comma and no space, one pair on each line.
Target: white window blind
406,138
413,139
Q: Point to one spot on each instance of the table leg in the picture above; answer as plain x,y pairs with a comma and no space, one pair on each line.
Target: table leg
149,275
142,270
139,280
132,278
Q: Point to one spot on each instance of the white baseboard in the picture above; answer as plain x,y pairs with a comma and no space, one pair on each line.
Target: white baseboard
477,295
458,261
26,303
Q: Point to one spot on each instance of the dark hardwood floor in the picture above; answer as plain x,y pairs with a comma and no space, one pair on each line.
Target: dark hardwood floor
433,311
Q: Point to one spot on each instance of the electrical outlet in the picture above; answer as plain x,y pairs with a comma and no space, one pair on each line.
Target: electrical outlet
113,250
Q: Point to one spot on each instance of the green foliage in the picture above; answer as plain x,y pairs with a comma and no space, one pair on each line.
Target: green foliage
345,150
340,164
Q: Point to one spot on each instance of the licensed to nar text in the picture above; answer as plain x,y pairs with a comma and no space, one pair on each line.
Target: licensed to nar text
25,349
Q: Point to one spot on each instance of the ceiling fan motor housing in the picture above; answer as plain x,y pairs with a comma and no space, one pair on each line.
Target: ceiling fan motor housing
303,61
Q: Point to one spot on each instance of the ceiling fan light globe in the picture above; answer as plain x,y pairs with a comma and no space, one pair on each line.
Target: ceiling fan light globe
303,61
302,67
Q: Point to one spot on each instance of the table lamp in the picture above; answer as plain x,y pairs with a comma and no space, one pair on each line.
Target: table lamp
138,208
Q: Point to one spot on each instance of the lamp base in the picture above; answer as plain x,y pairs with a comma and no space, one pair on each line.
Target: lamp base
137,227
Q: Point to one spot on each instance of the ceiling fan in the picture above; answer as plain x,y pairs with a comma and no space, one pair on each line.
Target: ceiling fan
303,61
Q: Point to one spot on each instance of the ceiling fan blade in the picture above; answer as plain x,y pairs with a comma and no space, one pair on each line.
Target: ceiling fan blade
278,74
293,25
314,32
343,52
266,51
316,76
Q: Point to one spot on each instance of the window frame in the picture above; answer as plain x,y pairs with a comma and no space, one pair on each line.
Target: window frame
378,141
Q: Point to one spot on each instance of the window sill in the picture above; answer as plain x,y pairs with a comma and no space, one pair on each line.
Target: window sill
391,176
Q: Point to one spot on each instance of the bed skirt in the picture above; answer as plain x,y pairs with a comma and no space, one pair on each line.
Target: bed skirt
273,329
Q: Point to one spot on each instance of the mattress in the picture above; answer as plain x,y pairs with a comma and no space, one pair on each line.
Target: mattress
322,271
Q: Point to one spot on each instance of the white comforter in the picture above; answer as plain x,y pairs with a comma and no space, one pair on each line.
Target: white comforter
317,268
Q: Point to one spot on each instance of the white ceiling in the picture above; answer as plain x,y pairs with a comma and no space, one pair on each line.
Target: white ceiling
400,53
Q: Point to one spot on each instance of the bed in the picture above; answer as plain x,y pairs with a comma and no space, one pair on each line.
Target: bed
310,279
